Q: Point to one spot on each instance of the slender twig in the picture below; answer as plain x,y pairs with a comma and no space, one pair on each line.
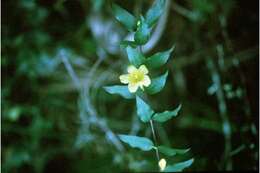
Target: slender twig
155,140
226,127
237,150
183,11
69,68
223,24
88,107
240,57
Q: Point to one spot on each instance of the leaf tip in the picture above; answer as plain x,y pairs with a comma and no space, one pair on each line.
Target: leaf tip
172,48
191,161
188,149
106,88
166,73
179,107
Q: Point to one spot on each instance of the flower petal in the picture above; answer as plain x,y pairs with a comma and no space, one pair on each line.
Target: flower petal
131,69
124,78
132,87
143,69
140,84
147,81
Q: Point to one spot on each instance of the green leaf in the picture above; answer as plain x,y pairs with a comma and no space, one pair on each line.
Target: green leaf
178,167
155,12
124,44
142,143
124,17
158,59
142,33
134,56
166,115
144,111
121,90
171,151
157,84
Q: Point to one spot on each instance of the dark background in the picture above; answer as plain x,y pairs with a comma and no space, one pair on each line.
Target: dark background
48,125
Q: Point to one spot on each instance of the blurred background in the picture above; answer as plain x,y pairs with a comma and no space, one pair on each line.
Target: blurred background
58,54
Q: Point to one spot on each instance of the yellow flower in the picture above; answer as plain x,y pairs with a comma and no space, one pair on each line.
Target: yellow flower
162,164
136,78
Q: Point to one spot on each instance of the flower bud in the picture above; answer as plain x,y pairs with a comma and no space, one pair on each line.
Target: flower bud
162,164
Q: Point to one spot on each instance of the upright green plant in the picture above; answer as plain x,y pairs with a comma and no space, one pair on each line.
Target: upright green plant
140,84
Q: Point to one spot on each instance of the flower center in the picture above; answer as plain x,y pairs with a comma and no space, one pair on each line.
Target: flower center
136,77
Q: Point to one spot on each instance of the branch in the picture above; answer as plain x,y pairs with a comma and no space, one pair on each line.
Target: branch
226,127
84,97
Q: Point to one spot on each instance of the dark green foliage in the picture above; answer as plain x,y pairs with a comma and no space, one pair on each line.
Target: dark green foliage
158,59
121,90
171,151
144,111
157,84
124,44
124,17
134,56
142,143
178,167
155,12
166,115
142,33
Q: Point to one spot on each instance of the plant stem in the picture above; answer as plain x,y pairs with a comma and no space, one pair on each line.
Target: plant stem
152,127
155,140
226,127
